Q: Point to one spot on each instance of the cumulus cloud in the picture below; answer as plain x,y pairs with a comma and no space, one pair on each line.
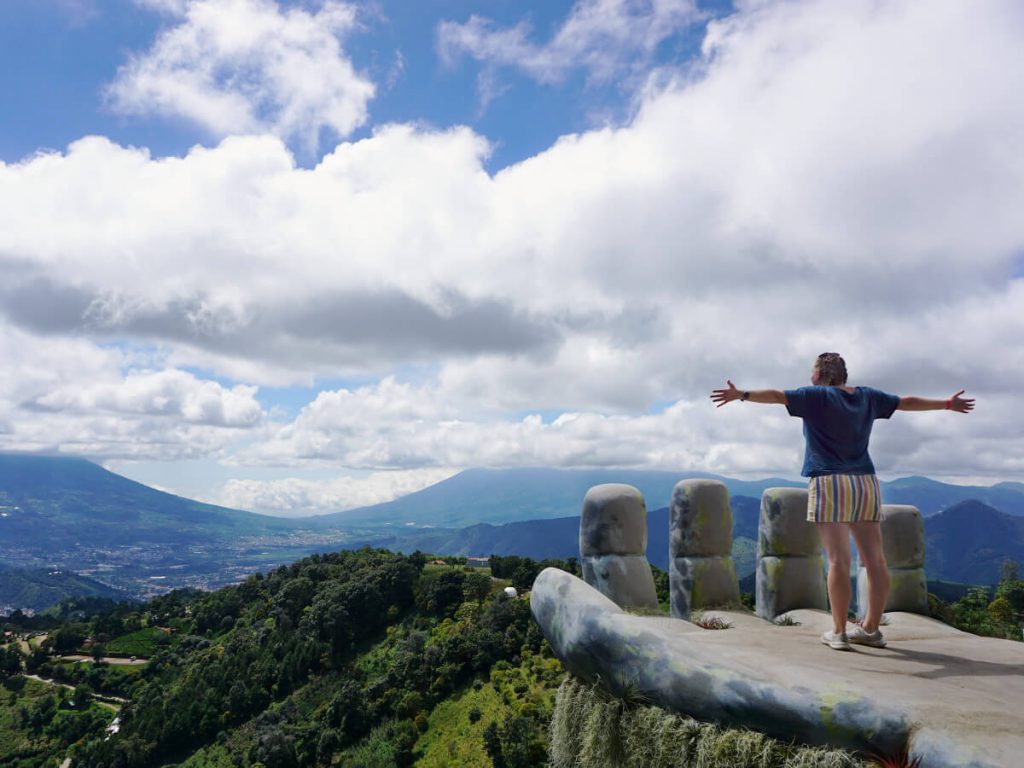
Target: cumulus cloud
831,176
295,497
68,395
393,425
357,329
176,394
248,66
605,38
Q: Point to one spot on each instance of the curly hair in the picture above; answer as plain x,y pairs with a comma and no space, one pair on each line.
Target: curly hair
832,368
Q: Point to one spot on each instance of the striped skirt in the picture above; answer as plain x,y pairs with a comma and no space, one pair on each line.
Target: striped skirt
844,499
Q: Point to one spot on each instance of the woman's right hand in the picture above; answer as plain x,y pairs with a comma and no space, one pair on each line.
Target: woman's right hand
723,396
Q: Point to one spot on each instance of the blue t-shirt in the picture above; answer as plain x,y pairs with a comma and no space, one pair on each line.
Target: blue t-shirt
837,426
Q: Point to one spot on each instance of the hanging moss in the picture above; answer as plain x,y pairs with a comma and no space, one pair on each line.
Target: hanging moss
592,729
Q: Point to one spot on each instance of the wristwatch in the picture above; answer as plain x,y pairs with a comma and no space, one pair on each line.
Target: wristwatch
745,396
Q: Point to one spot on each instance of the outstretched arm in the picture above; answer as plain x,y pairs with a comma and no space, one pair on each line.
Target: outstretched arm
723,396
955,403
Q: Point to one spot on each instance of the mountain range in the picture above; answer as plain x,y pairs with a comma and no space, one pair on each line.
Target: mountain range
508,495
966,543
69,514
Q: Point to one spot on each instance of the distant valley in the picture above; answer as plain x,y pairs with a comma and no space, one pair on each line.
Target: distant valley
69,514
72,516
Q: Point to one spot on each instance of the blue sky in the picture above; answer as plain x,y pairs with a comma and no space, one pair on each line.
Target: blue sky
302,256
58,56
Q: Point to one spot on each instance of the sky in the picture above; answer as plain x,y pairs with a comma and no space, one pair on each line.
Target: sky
302,256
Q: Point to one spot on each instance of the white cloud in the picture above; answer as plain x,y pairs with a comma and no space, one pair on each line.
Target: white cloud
172,393
248,66
834,176
295,497
605,38
393,425
70,396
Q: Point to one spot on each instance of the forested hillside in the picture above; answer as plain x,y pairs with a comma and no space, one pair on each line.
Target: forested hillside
360,658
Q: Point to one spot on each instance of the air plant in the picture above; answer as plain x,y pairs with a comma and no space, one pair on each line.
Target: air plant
711,622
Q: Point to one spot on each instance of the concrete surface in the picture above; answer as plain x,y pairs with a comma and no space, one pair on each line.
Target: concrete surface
701,572
613,545
957,698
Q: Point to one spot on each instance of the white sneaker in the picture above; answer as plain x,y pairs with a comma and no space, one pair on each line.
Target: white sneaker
856,634
835,641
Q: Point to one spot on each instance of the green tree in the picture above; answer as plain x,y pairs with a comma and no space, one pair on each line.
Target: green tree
476,586
68,638
82,696
1001,610
10,662
1011,588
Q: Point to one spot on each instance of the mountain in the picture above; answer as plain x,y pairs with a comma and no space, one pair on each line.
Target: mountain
969,542
558,538
69,514
511,495
74,500
40,588
931,496
966,543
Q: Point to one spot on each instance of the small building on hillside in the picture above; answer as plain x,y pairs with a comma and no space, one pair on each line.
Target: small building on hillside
478,562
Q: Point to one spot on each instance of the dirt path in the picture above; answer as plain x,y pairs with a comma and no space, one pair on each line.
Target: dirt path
111,702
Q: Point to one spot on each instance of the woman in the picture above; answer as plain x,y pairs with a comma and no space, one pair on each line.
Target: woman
843,493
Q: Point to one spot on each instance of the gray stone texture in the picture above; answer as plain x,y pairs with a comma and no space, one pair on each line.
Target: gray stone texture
903,543
952,695
613,545
700,520
908,591
678,666
790,567
783,529
903,536
784,584
614,521
697,583
701,571
626,579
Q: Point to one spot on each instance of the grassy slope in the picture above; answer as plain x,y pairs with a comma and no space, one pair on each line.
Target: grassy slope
142,642
452,739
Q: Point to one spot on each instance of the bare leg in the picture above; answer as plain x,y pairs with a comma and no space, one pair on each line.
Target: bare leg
836,539
869,544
